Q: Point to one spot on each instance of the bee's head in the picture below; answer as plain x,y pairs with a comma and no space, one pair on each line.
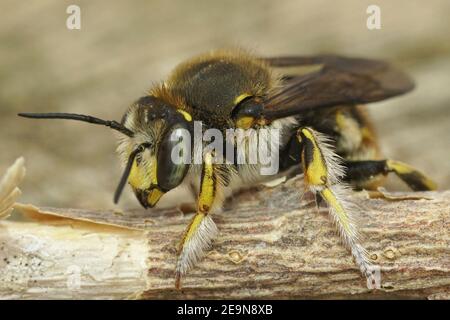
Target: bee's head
155,146
157,155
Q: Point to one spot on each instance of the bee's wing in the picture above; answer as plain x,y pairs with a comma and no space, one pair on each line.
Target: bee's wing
339,81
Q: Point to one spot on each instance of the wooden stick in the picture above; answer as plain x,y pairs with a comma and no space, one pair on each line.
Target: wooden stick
271,246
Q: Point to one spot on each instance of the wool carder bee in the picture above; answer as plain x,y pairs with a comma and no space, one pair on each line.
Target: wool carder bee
325,134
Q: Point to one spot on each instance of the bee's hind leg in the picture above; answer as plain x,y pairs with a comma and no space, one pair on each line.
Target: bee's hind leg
323,172
361,174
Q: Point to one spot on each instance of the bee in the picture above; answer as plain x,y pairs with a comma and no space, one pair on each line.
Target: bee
325,134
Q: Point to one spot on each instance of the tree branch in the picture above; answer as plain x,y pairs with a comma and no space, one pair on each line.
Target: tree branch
271,245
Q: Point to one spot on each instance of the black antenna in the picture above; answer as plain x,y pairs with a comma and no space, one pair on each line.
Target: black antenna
80,117
125,174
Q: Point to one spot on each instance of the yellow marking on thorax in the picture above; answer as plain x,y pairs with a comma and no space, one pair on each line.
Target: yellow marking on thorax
245,122
185,114
240,98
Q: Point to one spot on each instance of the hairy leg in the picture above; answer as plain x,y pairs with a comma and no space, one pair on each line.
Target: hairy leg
323,172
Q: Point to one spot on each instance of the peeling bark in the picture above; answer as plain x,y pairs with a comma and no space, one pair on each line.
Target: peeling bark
270,246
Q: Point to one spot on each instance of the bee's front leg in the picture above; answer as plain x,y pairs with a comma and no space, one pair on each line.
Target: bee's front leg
202,230
323,172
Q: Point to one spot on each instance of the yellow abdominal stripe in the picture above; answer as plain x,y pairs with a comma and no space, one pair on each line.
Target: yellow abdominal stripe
317,172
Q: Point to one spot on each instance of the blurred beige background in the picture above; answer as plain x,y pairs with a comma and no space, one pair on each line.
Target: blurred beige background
124,46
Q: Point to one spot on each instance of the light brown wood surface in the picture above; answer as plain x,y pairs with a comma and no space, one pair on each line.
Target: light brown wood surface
270,246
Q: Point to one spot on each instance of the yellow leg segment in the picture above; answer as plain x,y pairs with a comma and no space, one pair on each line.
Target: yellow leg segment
341,215
200,233
415,179
323,171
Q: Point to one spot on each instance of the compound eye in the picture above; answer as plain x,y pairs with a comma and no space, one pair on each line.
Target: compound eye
174,156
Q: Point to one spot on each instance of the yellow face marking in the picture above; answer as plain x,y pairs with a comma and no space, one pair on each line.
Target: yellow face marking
154,196
244,122
137,178
185,114
140,178
317,172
